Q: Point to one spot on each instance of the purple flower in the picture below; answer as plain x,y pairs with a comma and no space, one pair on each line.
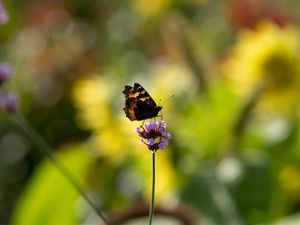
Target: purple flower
9,102
5,72
3,14
154,135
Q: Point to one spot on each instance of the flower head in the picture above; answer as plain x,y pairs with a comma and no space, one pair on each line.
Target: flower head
3,14
9,102
154,135
5,72
268,54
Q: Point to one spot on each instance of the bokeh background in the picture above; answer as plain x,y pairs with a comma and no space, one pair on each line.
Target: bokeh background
234,69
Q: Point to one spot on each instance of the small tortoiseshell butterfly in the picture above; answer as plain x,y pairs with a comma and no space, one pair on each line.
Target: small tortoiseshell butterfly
138,103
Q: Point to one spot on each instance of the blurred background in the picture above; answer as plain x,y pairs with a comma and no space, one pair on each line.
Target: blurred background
234,69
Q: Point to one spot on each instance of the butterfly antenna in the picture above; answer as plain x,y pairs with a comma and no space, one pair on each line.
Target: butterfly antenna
160,101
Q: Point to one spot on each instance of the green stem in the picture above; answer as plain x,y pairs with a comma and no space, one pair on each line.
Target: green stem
151,211
40,144
190,55
246,113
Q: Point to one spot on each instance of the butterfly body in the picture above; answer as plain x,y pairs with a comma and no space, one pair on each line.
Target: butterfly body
139,105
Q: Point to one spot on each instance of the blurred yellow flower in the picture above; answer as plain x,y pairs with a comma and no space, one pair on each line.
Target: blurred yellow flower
289,179
93,98
269,55
113,134
146,8
171,79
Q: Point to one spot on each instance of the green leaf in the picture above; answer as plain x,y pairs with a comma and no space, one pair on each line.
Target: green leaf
48,198
208,122
290,220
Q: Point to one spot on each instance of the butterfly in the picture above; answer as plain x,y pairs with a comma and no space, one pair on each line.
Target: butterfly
139,105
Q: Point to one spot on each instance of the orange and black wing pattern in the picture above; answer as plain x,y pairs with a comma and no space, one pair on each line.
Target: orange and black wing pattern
138,103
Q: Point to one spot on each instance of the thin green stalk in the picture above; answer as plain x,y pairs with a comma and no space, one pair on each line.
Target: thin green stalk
151,211
40,144
190,55
246,113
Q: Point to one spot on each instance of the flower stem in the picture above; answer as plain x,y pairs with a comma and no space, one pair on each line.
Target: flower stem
190,56
246,113
41,145
151,211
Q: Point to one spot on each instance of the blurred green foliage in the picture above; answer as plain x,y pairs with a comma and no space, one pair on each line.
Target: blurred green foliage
234,157
48,197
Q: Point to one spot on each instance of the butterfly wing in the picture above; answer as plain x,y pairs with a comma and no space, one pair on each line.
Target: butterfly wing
138,103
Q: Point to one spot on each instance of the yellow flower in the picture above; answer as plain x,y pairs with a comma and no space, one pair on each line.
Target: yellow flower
146,8
92,97
270,55
289,179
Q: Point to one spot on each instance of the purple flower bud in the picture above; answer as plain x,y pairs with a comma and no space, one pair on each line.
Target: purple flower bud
3,14
9,102
5,72
154,135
